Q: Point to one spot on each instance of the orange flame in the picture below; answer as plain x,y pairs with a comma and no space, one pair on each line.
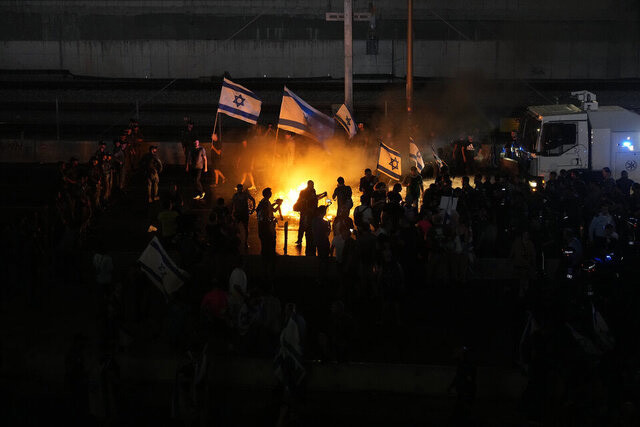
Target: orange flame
289,198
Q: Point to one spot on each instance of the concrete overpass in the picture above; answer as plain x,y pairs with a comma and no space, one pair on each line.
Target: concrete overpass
503,39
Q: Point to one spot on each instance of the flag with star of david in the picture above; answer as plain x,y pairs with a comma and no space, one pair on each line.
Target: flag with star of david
344,117
161,269
389,162
299,117
239,102
416,155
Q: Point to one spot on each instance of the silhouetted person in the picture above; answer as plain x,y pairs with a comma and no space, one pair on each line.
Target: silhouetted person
197,163
152,167
367,182
413,182
344,195
188,138
242,204
267,226
624,184
307,204
216,159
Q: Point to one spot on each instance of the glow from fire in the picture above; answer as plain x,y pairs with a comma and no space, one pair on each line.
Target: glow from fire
289,198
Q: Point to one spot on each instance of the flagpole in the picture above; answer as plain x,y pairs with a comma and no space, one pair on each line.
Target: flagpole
348,53
275,145
220,129
409,86
215,123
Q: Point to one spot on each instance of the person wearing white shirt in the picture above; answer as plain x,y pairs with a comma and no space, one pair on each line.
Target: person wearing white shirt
598,223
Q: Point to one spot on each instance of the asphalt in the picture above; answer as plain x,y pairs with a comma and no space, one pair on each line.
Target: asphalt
435,321
149,404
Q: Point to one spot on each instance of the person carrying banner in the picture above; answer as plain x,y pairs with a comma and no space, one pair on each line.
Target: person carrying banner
197,163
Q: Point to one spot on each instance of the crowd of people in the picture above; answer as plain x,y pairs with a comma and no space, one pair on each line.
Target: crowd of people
566,240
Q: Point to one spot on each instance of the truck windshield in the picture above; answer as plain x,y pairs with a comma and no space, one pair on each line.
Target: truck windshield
529,131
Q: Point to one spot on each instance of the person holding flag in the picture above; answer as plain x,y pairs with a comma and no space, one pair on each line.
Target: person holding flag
216,159
238,102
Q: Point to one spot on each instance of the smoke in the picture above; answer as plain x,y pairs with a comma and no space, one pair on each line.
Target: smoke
443,111
292,160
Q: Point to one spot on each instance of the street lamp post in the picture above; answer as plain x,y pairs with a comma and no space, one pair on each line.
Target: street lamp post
409,63
348,54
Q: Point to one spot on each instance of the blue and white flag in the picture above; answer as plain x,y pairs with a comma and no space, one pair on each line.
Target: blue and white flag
389,162
344,117
439,161
239,102
161,269
299,117
416,155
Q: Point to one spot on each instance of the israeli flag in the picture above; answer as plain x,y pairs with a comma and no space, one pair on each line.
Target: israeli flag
344,117
239,102
161,269
416,155
389,162
299,117
439,161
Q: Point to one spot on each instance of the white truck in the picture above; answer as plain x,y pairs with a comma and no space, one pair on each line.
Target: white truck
591,137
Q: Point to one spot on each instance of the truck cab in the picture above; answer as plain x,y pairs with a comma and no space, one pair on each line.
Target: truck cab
590,137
